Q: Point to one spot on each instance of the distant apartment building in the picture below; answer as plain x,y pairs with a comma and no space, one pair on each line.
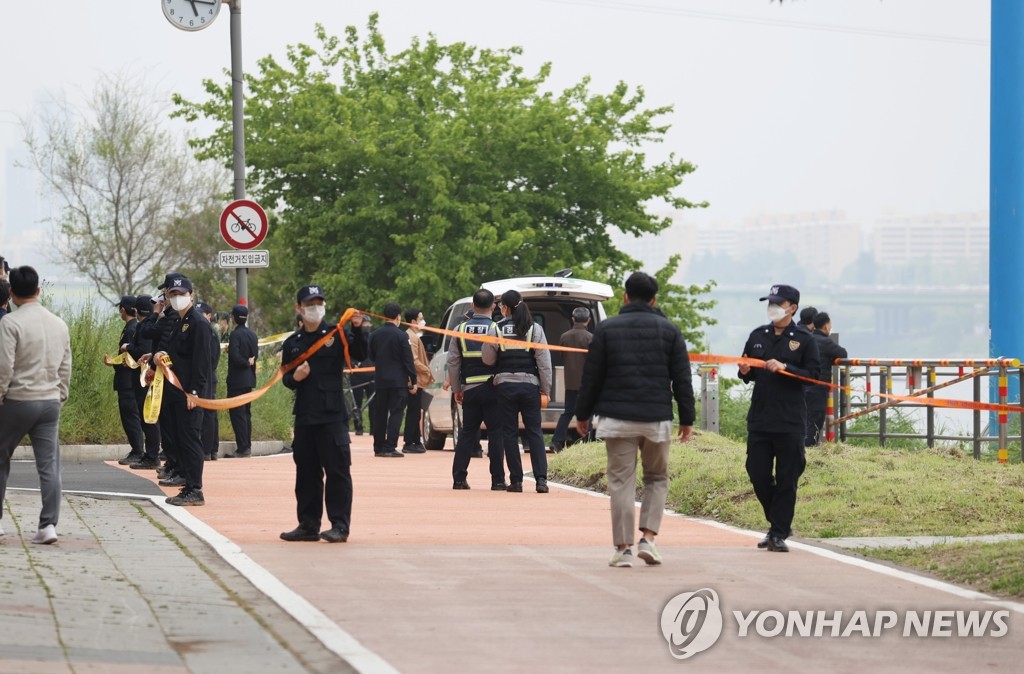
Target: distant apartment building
654,250
940,238
824,242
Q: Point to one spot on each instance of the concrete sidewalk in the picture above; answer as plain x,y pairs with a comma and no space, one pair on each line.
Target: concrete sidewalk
436,580
128,589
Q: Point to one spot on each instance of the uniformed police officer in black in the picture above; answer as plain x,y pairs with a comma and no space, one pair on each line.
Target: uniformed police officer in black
778,415
471,387
321,444
160,332
142,346
124,383
190,347
243,349
211,423
817,396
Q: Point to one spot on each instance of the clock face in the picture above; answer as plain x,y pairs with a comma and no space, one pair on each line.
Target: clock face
191,14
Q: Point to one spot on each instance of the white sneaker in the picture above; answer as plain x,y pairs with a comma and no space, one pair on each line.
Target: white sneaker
646,551
622,558
45,536
1,530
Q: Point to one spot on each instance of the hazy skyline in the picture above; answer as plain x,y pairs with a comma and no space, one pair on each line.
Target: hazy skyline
867,107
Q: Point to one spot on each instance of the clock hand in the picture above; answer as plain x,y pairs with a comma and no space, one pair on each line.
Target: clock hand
194,10
203,2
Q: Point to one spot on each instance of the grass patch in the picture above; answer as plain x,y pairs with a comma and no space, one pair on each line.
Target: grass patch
993,568
845,491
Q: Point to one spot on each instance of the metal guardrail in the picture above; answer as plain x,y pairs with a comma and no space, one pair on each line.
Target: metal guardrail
922,379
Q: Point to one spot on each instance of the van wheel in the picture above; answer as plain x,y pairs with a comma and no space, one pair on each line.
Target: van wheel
456,422
431,438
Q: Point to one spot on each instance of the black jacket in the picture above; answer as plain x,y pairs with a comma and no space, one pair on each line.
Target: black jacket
392,356
190,345
242,345
145,332
777,403
320,397
125,378
636,365
828,351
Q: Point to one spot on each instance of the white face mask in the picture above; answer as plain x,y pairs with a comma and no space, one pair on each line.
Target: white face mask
421,322
775,313
180,302
314,314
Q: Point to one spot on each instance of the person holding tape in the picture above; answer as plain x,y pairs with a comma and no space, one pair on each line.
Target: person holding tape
522,383
777,419
190,347
320,448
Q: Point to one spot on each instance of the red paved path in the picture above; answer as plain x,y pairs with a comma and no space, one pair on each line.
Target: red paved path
436,580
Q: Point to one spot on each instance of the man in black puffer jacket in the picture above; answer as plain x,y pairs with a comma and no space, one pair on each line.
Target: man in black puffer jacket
636,365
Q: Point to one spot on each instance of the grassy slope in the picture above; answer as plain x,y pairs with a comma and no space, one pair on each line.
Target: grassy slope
855,491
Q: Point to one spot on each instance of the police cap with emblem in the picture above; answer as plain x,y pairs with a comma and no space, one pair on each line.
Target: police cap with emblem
782,293
307,293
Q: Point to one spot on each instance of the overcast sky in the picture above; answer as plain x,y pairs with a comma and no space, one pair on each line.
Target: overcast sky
863,105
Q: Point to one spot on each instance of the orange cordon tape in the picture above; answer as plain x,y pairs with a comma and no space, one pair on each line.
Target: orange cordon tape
486,338
238,401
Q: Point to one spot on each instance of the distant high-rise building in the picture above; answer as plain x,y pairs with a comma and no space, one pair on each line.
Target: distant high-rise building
940,238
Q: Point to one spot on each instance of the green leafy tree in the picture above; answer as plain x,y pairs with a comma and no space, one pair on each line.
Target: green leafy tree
414,176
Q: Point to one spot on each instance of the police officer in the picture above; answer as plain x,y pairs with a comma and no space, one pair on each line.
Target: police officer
124,383
817,396
141,346
471,387
160,332
523,377
777,417
243,349
321,444
211,423
190,347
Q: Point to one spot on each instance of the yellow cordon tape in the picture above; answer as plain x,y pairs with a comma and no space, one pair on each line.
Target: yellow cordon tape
164,371
155,394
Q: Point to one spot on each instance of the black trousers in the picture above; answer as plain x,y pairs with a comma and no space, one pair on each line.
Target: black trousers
777,493
387,418
480,405
323,475
516,399
211,432
168,433
411,435
151,432
241,421
817,400
186,428
131,421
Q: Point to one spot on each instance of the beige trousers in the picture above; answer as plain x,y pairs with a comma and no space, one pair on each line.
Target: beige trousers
622,485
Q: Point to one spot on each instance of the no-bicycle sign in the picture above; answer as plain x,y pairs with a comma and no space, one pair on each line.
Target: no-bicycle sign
243,224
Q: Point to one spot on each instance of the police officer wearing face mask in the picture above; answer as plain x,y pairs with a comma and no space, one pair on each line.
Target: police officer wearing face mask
777,417
321,445
190,346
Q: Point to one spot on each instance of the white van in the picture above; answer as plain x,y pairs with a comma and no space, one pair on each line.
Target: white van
551,300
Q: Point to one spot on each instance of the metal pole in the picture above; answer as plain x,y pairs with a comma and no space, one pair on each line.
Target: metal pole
238,128
977,419
930,411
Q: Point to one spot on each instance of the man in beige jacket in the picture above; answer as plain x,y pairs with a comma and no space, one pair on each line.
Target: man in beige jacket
35,375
